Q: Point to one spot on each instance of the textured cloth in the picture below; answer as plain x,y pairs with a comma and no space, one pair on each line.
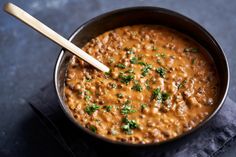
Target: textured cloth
207,141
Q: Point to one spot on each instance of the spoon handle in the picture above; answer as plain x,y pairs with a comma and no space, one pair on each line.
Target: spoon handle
52,35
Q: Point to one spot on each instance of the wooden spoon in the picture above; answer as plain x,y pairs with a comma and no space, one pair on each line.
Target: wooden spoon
52,35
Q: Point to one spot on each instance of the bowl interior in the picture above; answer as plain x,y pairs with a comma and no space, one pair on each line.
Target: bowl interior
143,15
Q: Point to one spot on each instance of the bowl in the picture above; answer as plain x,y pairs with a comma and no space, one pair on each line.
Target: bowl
142,15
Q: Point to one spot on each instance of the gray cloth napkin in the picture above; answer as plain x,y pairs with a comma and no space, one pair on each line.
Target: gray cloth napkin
207,141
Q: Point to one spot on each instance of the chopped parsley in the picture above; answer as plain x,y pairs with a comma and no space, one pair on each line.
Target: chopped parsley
181,84
119,95
161,71
147,85
159,95
130,71
108,108
113,85
137,60
87,97
159,61
122,66
142,63
156,94
93,128
146,69
143,106
127,109
162,55
193,61
137,87
91,109
127,102
111,60
87,94
129,50
133,60
129,125
126,78
191,49
80,92
108,73
165,96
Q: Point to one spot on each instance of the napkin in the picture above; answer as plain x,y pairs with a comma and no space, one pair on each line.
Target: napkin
209,140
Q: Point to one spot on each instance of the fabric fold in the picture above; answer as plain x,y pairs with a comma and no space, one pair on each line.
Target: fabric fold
206,141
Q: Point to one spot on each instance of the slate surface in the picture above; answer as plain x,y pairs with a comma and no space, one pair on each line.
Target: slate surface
27,59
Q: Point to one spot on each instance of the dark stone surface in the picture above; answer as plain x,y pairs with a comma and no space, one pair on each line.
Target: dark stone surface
27,60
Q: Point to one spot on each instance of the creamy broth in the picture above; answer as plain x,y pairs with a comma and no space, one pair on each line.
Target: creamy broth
161,84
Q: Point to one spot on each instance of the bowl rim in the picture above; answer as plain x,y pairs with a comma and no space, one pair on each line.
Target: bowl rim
121,10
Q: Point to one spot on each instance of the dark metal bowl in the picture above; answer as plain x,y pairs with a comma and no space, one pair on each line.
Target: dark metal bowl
142,15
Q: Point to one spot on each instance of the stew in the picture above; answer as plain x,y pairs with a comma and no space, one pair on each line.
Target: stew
161,84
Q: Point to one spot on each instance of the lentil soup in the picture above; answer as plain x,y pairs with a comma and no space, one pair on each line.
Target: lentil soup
161,84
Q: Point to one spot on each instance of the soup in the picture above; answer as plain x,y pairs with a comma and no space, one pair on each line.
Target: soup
161,84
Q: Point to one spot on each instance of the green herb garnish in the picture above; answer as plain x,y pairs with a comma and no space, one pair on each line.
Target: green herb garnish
122,66
127,102
119,95
181,84
87,97
191,49
142,63
108,108
162,55
91,109
86,92
165,96
112,85
161,71
146,69
156,94
129,50
130,71
80,92
147,85
137,87
111,60
133,60
127,109
159,95
158,61
129,125
108,73
93,128
126,78
143,106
